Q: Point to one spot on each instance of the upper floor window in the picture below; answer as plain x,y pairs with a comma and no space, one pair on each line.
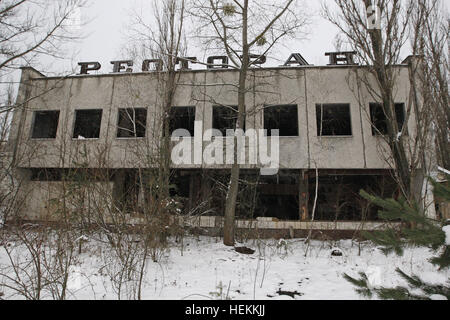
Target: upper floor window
283,118
333,119
132,123
182,118
225,118
379,119
45,124
87,124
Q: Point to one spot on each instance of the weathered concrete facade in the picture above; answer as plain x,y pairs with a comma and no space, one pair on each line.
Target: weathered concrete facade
360,154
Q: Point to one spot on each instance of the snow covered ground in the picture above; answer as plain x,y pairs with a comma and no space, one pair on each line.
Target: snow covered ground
206,269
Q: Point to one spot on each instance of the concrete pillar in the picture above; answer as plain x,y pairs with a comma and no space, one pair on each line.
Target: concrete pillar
304,195
192,190
119,180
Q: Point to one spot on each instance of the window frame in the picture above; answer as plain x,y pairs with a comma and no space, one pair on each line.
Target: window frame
268,133
75,122
376,132
33,124
223,106
319,122
194,108
118,128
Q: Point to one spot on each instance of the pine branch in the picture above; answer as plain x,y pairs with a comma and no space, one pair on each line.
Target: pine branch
417,230
397,293
362,284
430,289
443,261
424,233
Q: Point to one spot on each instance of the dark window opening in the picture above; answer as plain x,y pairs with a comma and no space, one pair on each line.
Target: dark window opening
132,123
379,119
46,175
258,196
73,175
45,124
283,207
87,124
182,118
180,186
339,199
126,190
225,118
333,120
131,188
282,118
278,196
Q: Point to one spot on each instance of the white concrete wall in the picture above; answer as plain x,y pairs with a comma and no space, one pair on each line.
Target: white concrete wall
45,200
302,86
215,222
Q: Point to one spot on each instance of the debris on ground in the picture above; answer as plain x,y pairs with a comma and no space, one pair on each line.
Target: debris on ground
244,250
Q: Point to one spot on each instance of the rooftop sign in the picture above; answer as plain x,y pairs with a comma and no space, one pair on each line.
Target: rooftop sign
213,62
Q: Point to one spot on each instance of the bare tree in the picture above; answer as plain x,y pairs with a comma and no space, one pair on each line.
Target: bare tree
33,30
379,44
430,35
240,28
157,34
26,35
161,37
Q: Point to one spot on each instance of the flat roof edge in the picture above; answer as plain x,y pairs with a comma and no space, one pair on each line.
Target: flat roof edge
141,73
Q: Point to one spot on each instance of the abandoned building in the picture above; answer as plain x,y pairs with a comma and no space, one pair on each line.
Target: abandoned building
328,121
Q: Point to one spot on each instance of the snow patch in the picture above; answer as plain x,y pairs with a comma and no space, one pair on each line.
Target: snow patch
438,297
74,281
202,267
446,229
374,275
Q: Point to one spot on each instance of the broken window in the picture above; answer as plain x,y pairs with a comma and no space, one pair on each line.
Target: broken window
283,118
224,118
45,124
182,118
379,120
333,120
87,124
132,123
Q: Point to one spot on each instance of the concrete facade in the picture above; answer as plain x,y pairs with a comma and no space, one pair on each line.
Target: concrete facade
303,86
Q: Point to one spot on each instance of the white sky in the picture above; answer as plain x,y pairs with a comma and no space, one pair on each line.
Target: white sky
104,25
105,34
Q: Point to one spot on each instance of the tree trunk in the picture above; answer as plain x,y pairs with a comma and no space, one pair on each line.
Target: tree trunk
386,86
233,187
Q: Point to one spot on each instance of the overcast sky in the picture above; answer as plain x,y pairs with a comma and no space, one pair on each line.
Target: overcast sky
108,18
